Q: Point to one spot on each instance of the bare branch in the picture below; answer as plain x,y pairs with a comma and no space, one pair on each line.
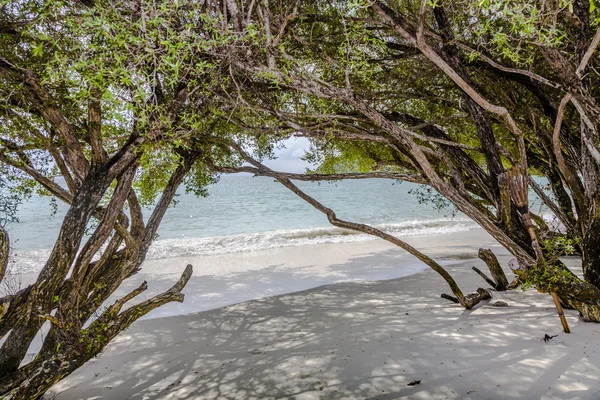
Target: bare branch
165,200
331,216
566,221
588,55
115,308
327,177
123,320
570,177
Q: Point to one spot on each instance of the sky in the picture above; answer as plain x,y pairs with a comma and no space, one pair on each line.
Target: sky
288,158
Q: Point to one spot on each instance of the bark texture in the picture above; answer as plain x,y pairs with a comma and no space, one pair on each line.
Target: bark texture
498,281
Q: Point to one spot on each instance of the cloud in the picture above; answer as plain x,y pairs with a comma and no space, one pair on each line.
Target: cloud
288,157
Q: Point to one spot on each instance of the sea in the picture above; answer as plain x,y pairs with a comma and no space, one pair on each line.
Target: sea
252,238
243,213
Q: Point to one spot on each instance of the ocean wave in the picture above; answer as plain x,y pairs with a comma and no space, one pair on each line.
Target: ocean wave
190,246
27,261
33,260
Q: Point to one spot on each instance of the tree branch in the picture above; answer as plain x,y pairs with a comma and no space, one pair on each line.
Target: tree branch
331,216
588,55
4,251
95,126
326,177
127,317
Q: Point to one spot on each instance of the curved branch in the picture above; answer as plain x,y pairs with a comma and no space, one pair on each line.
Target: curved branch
465,301
326,177
570,177
127,317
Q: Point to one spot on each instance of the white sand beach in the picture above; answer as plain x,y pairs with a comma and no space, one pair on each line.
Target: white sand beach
352,340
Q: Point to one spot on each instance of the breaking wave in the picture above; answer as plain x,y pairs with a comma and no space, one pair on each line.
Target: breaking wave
189,246
32,261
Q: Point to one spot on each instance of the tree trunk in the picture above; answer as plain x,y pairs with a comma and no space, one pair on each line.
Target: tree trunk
40,299
34,379
4,249
495,269
590,254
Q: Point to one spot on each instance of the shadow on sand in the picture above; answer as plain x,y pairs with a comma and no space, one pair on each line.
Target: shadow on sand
352,340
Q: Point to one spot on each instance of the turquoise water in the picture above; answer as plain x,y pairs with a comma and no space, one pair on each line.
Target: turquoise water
244,213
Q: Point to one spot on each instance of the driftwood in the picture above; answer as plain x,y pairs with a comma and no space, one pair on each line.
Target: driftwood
485,277
470,299
448,297
499,281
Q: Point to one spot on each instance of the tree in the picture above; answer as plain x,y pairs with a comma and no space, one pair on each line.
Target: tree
106,107
468,97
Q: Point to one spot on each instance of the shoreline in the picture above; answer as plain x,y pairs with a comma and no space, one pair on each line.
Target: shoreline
224,279
352,340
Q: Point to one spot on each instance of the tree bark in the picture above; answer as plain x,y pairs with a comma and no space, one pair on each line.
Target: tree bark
4,251
35,378
495,268
590,254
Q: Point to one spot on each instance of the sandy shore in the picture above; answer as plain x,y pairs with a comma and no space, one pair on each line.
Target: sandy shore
353,340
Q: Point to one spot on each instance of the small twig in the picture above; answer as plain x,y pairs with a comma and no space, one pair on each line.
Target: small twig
485,277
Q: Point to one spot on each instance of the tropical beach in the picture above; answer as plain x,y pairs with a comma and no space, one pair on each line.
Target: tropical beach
344,317
351,340
241,199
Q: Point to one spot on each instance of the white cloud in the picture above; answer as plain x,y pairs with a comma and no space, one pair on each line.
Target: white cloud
288,158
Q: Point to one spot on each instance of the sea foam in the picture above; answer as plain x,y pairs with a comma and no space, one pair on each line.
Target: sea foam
193,246
25,261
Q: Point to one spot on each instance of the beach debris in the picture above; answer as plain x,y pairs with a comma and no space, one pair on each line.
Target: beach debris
498,280
448,297
414,383
471,299
547,337
500,303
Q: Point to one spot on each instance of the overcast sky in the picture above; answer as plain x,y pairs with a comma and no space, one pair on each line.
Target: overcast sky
288,159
